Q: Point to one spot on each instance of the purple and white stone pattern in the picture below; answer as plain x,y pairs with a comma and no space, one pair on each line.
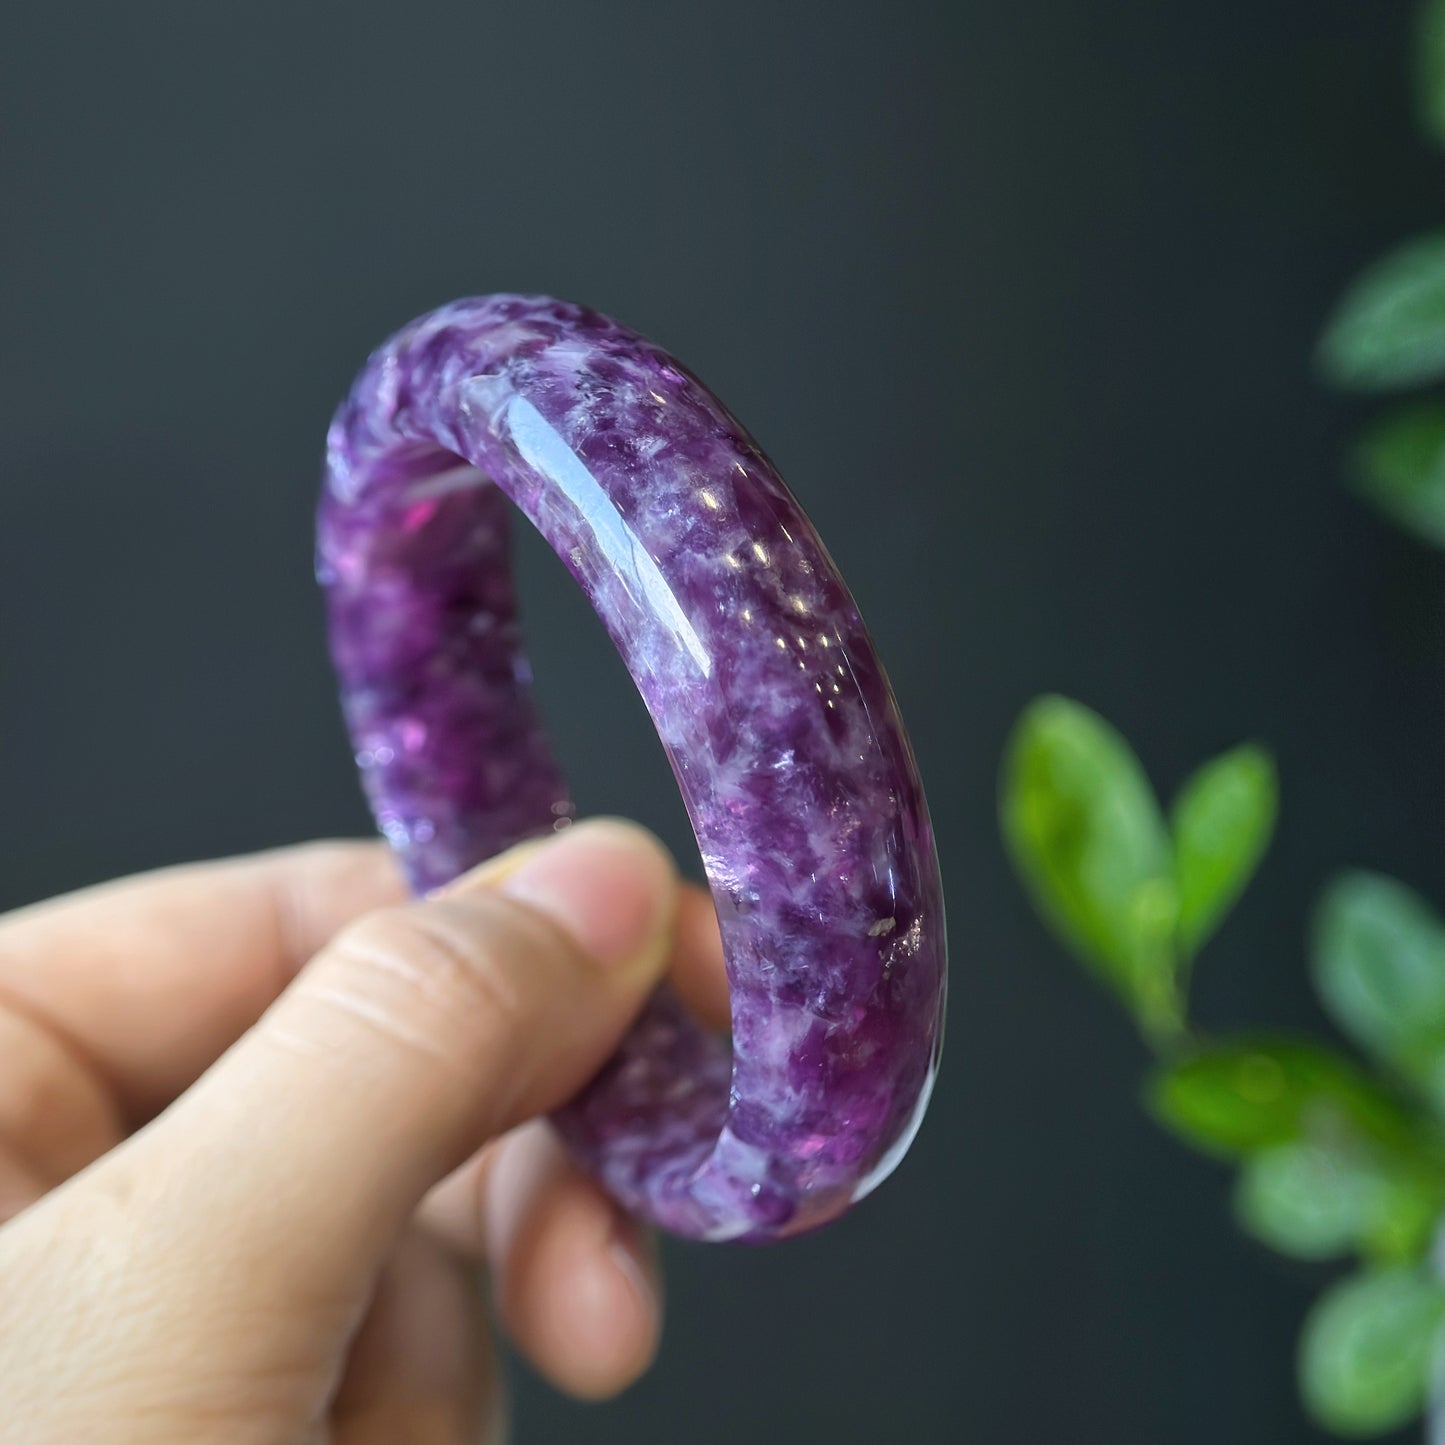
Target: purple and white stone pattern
764,687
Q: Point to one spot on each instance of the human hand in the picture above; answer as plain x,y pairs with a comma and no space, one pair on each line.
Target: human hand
250,1186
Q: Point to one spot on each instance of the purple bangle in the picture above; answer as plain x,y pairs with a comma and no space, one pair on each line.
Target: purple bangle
765,690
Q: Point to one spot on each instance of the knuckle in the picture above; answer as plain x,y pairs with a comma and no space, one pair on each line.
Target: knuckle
471,961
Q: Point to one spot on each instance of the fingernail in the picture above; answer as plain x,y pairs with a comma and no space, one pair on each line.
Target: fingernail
493,872
613,1314
633,1255
609,884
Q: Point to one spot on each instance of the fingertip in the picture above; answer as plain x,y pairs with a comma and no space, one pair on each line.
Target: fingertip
614,1316
609,883
577,1283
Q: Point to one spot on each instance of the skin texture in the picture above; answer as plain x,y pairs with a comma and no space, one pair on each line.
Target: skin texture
765,690
261,1121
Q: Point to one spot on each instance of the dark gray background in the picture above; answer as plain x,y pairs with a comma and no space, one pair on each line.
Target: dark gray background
1019,296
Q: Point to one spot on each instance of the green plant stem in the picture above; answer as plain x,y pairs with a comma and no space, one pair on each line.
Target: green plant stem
1160,1006
1168,1033
1162,1030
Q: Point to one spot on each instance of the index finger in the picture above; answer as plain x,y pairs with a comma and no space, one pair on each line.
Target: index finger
148,980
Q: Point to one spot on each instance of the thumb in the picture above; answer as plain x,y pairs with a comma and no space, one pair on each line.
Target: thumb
415,1036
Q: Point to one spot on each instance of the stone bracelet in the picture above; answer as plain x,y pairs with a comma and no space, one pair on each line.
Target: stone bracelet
765,690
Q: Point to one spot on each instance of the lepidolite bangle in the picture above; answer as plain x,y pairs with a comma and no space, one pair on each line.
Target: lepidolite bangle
764,688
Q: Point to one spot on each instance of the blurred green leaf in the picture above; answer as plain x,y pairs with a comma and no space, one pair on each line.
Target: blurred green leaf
1399,466
1222,821
1388,330
1087,836
1306,1200
1379,965
1408,1217
1233,1098
1368,1349
1430,69
1317,1200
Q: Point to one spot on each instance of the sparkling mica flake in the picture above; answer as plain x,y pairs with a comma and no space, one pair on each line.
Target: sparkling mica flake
764,688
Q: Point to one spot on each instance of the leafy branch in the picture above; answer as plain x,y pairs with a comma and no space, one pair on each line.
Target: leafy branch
1132,895
1336,1156
1387,335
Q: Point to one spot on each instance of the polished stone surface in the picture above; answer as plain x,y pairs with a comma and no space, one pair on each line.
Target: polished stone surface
764,688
